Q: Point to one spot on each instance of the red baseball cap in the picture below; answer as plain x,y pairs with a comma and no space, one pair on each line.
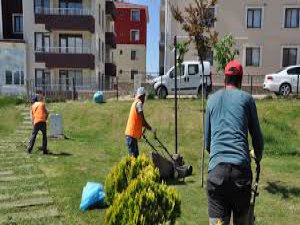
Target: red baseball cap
234,68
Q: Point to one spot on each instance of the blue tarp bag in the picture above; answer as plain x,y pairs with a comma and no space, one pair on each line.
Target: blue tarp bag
92,196
99,97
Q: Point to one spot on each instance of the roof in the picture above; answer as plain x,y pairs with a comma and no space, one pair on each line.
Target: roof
127,5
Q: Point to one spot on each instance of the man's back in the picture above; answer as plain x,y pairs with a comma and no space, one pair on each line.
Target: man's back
230,113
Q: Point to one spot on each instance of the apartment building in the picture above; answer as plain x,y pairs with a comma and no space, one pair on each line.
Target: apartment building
267,33
68,42
131,28
12,48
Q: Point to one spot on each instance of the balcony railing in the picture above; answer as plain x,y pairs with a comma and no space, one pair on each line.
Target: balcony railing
66,57
64,11
73,19
64,50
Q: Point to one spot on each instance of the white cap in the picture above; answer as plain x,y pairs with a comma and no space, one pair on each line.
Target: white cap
140,92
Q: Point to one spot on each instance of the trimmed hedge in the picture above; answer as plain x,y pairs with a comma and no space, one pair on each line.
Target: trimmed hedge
144,202
125,171
136,195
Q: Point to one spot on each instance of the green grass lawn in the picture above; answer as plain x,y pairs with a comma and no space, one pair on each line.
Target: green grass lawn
97,142
10,116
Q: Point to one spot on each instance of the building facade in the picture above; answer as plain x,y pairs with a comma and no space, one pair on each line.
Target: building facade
12,48
68,42
131,28
266,33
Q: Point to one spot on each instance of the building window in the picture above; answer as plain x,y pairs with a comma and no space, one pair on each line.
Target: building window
17,23
8,77
99,52
121,52
103,19
42,42
67,77
135,15
133,55
289,56
253,57
70,43
133,74
211,15
103,60
42,78
121,71
14,78
41,5
135,35
292,17
100,15
254,17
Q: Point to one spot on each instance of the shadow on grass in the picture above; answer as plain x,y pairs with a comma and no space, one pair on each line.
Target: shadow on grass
179,182
280,189
61,154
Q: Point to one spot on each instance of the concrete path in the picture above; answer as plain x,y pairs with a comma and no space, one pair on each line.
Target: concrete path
24,195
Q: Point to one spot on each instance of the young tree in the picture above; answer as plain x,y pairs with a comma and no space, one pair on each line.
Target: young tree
225,51
197,19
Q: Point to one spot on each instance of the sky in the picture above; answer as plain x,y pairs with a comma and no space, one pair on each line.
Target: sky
152,33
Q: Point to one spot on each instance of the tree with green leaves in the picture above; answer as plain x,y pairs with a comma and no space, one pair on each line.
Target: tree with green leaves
196,19
224,52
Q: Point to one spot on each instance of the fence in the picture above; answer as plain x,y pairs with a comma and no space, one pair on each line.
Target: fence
73,88
121,86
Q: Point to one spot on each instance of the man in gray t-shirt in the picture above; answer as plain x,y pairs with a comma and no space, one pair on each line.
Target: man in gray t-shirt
230,114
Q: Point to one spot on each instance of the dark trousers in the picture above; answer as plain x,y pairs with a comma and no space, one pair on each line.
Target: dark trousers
229,192
41,126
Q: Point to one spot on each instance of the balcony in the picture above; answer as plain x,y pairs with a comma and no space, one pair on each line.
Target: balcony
110,69
110,9
58,57
65,19
110,39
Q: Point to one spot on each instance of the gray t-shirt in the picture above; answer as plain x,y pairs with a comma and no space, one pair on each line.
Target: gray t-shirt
140,107
230,115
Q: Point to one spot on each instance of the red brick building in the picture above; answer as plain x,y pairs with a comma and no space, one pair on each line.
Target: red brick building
131,30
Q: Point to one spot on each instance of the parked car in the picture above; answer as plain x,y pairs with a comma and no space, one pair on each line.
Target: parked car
189,82
283,82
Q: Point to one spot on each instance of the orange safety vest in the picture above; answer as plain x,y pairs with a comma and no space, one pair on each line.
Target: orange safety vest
134,124
38,111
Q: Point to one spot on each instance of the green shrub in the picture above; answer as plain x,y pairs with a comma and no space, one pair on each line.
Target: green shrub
151,93
125,171
144,202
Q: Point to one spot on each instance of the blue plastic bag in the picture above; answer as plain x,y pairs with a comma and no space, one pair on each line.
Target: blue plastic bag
92,195
99,97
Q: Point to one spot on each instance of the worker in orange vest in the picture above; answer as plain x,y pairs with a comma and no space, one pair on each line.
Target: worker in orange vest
39,116
136,122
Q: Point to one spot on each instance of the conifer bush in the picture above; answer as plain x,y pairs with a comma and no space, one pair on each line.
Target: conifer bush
128,169
144,202
136,195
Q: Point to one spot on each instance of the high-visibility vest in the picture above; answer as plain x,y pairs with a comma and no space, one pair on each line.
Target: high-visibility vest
39,113
134,124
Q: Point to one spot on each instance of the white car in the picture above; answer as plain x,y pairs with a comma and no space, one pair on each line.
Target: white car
284,82
188,83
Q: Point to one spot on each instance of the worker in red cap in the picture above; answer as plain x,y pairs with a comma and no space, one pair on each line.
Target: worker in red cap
230,114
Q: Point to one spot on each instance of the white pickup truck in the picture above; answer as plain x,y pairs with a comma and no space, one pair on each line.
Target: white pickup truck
189,82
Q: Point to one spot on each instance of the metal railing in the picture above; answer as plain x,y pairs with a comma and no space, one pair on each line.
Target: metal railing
64,50
64,11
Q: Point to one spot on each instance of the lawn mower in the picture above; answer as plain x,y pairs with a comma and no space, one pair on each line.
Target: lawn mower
254,193
169,165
